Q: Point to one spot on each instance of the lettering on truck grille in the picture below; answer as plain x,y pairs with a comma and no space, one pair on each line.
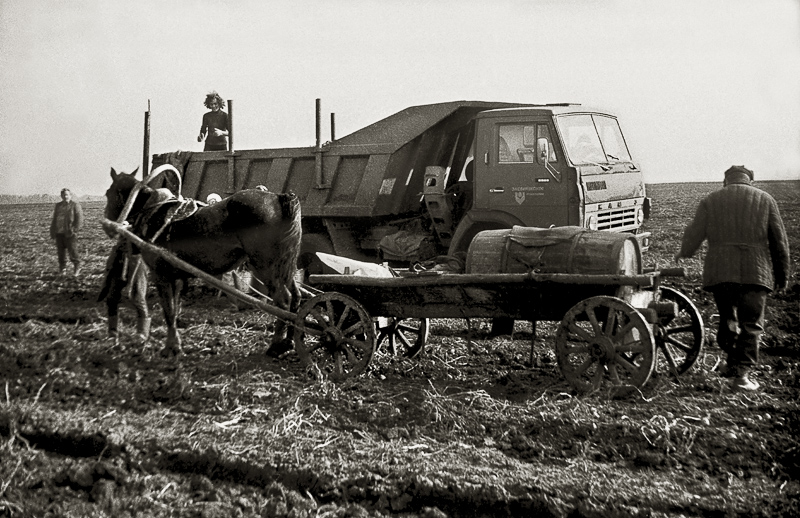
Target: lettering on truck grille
596,186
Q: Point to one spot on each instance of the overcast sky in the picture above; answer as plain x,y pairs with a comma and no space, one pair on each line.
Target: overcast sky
698,84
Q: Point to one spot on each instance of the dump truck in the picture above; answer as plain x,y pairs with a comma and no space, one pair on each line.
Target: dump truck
423,182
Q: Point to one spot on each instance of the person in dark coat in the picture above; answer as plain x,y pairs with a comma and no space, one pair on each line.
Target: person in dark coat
214,129
67,221
747,258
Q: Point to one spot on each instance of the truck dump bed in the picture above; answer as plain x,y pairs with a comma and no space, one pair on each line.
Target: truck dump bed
373,172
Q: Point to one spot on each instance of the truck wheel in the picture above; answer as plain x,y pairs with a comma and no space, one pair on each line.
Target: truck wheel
308,260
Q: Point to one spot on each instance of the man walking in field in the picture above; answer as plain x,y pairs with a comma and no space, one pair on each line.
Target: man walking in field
748,257
67,221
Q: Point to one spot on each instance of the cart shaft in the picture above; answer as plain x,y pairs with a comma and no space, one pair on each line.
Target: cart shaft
283,314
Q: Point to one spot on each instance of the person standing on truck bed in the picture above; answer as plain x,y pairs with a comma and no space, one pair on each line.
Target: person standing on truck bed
748,256
214,129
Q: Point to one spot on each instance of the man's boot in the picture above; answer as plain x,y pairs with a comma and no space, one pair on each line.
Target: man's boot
742,380
143,329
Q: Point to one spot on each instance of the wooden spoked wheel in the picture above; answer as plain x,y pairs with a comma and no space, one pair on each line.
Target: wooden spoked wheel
339,338
605,338
680,339
405,336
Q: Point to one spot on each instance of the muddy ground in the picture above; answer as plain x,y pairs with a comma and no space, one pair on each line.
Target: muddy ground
90,427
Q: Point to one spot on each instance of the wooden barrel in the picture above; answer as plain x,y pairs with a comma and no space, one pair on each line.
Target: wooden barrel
554,250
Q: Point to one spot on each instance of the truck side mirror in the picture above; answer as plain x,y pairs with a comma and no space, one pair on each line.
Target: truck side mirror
542,150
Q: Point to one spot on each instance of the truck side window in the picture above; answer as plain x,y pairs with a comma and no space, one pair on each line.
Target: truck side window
511,140
510,137
517,142
503,151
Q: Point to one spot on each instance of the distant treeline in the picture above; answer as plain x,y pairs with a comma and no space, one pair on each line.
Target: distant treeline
11,199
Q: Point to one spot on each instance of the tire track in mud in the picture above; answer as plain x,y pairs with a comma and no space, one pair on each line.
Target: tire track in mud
414,494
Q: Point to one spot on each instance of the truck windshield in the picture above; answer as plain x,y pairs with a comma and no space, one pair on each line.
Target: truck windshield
593,139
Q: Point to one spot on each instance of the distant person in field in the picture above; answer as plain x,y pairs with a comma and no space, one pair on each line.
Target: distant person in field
214,130
748,257
67,221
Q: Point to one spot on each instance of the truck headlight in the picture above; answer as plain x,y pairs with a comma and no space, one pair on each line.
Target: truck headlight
639,216
592,223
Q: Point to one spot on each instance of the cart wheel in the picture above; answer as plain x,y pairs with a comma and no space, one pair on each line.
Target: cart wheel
339,336
405,336
605,337
681,339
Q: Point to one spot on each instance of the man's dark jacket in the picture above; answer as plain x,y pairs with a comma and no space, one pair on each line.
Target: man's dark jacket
747,241
73,215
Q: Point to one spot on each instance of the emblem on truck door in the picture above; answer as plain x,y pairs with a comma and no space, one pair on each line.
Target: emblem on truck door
519,197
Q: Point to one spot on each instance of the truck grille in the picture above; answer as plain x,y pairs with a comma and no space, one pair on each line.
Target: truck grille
616,219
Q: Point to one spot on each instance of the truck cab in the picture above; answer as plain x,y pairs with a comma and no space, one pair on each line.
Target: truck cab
552,166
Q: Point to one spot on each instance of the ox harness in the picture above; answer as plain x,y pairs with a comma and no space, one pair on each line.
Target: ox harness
174,208
162,209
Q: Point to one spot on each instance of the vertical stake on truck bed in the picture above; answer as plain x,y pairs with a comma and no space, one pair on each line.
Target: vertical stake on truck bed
230,125
146,148
319,176
231,154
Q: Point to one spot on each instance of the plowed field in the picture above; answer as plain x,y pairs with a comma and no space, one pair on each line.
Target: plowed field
472,427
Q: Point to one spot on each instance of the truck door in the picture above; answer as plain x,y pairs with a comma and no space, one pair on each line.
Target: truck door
509,178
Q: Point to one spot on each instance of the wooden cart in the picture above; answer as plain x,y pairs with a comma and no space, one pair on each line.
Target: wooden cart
611,326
